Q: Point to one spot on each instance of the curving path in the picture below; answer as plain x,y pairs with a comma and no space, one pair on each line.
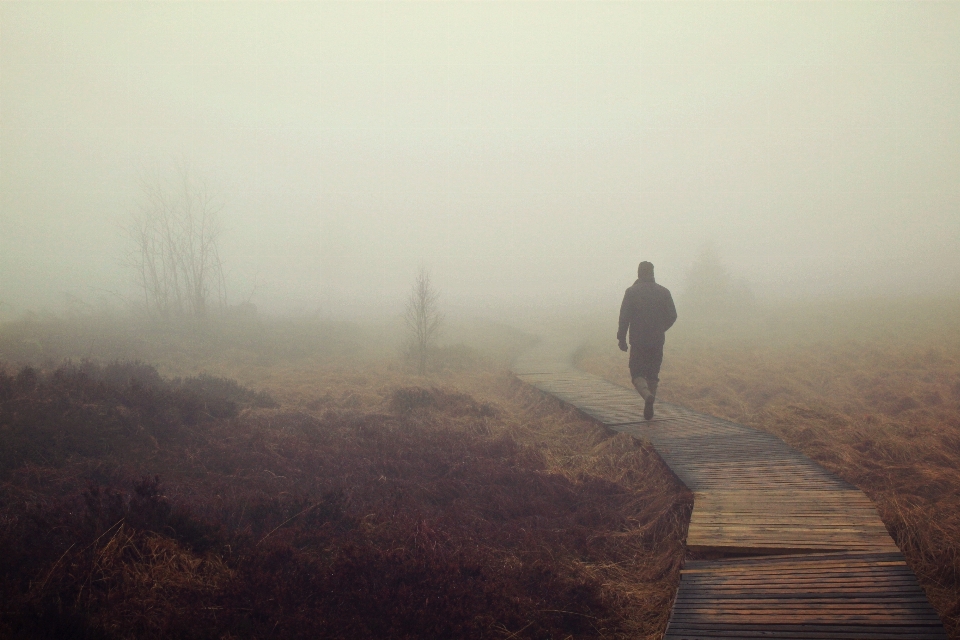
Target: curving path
807,554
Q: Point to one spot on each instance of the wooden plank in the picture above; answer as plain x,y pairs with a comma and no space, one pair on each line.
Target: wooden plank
812,632
842,575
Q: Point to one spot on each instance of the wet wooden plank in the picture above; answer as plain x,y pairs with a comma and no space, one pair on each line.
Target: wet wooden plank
821,563
842,595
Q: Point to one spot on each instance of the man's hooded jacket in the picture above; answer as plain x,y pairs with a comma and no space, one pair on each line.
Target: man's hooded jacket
648,312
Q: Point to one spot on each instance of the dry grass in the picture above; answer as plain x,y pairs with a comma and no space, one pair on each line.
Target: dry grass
639,565
371,503
870,390
151,581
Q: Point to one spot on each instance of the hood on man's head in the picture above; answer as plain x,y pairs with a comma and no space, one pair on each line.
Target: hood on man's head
645,270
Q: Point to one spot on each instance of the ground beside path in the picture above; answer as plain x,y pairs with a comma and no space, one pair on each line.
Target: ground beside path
371,502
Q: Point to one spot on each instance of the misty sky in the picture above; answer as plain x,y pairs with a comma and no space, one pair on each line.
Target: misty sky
526,153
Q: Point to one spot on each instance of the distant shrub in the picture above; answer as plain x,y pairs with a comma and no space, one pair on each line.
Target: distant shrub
91,411
227,391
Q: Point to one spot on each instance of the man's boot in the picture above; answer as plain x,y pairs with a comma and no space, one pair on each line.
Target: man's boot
643,388
648,404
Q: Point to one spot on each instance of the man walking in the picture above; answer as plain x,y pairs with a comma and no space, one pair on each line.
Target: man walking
647,311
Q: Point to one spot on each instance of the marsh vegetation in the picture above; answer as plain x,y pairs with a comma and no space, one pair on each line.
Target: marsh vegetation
348,496
299,477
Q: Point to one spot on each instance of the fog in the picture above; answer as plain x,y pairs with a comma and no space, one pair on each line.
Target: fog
528,154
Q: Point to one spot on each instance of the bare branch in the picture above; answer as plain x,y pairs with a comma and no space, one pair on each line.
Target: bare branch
423,318
175,257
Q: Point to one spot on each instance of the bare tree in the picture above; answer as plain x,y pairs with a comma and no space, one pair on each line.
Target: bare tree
423,318
176,258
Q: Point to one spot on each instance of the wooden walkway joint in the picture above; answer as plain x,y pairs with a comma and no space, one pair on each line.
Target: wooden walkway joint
803,553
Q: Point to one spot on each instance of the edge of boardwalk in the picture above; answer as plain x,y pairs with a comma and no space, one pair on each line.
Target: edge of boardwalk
791,550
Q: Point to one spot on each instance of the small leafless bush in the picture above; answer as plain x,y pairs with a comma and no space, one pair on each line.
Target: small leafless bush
423,319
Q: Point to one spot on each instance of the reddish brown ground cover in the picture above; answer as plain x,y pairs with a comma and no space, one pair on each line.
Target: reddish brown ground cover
133,505
461,504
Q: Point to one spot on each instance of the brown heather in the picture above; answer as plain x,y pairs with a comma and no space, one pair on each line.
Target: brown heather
374,502
370,503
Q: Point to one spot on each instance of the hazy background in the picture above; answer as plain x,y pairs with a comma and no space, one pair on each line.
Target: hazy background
529,154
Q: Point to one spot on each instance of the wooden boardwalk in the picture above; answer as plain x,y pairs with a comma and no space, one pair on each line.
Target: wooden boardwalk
804,554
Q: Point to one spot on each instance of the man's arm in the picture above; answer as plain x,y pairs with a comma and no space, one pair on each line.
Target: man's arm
624,321
670,315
